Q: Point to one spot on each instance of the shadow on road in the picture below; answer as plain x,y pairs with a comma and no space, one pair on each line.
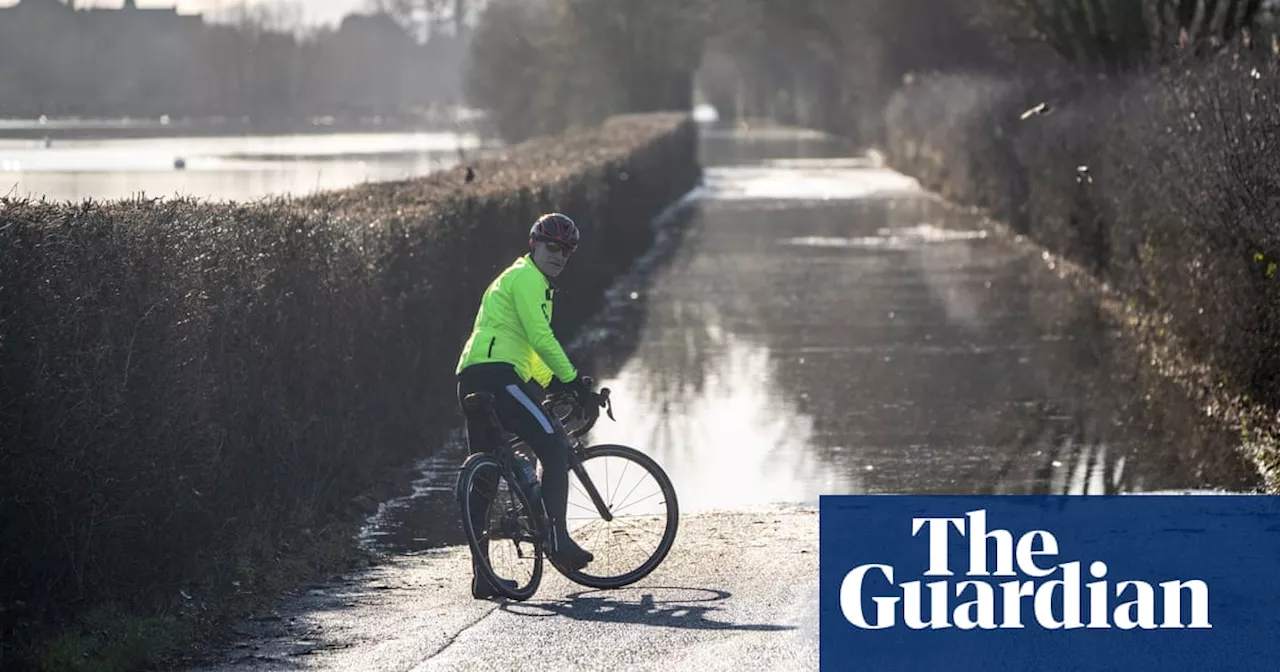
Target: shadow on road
679,611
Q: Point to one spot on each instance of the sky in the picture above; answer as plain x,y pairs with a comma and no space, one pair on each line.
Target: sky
313,11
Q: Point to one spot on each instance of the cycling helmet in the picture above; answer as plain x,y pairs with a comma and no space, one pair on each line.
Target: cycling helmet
554,227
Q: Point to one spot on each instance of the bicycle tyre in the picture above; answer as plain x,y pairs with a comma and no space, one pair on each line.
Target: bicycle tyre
466,478
582,576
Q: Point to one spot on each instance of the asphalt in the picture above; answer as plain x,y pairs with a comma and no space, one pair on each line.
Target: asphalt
738,586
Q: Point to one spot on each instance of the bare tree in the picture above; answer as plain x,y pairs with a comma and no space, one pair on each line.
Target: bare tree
426,18
1118,35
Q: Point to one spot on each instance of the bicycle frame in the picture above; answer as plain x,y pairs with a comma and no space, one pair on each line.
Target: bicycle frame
506,453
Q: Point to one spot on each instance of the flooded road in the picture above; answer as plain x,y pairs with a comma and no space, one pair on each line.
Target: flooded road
811,324
807,324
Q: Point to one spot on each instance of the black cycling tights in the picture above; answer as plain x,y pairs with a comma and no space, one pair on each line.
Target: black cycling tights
516,403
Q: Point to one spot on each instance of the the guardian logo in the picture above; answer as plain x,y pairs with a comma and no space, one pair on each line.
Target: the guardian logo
1052,594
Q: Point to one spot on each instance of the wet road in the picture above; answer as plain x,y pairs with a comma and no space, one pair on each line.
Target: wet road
824,328
814,324
807,324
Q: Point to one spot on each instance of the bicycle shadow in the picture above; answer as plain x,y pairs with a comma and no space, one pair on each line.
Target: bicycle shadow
645,610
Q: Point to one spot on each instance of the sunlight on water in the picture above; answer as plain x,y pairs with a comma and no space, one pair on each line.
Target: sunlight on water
898,239
807,326
234,168
734,442
812,180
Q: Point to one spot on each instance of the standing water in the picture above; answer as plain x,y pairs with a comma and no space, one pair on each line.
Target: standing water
239,168
811,323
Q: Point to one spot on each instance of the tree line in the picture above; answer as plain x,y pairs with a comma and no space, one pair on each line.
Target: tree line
541,66
259,62
544,65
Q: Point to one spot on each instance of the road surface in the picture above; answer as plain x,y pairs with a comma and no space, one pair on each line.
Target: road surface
809,323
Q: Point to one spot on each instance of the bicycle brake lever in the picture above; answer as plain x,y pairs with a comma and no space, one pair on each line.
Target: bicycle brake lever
607,403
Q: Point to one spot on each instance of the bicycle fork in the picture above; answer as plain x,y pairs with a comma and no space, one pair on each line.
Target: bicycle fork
575,465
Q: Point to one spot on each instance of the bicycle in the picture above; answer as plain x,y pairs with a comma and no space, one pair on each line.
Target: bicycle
522,526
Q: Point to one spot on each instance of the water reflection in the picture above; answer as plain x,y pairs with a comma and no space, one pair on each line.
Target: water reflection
222,168
723,434
425,517
809,339
793,336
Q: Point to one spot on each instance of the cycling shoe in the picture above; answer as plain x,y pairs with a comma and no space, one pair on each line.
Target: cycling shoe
483,589
570,555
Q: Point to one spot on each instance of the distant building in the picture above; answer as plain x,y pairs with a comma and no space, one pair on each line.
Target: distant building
98,61
160,18
35,7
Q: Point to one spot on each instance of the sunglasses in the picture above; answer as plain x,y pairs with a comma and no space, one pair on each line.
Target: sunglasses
559,248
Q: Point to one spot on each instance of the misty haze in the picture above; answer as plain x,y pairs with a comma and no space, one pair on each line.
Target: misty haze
270,271
111,102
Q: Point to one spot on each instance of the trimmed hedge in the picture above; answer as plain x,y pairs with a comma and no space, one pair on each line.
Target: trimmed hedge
1161,186
187,389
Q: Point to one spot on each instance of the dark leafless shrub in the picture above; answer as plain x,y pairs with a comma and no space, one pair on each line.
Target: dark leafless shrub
187,388
1161,183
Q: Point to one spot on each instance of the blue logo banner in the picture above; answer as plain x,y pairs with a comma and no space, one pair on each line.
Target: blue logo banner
1085,583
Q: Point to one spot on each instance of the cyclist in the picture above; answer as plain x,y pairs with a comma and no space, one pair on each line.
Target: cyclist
513,355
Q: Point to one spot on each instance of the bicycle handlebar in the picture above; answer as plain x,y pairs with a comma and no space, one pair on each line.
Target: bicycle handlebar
603,401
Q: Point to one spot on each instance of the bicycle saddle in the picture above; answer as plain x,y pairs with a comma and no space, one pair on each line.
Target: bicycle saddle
477,400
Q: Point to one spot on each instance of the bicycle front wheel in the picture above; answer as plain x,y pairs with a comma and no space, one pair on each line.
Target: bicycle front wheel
643,515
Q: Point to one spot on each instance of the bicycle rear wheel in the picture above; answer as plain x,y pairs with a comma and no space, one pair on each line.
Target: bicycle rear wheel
645,516
507,542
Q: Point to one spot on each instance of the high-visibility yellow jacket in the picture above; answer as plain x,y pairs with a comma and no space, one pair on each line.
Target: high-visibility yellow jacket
514,326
